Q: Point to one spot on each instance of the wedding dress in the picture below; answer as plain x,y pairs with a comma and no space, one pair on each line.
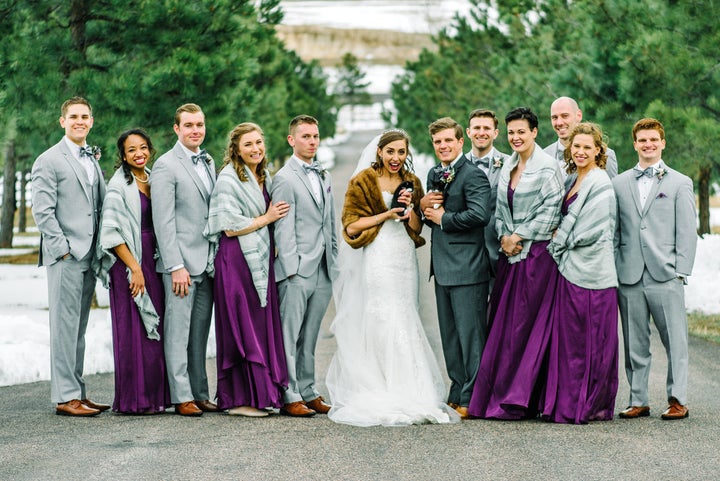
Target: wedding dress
384,371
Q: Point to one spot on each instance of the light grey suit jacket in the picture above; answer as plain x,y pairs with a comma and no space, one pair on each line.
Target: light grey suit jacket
662,236
63,206
492,242
556,150
180,211
298,235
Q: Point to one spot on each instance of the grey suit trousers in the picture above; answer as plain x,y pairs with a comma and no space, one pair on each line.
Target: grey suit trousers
303,302
186,330
665,302
463,330
71,284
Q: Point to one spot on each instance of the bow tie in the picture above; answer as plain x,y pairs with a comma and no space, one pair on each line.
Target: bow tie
203,155
314,166
484,161
87,152
649,172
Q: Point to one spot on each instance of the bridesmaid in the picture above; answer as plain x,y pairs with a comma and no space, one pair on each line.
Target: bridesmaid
251,367
136,290
583,362
529,194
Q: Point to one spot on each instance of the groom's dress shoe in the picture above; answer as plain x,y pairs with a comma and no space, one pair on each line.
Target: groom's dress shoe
188,409
92,405
297,409
75,408
675,411
453,405
632,412
463,412
319,405
207,406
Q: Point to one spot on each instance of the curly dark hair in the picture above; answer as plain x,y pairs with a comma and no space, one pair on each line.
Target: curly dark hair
121,161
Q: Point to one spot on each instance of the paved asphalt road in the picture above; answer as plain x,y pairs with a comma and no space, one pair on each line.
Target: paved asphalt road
37,444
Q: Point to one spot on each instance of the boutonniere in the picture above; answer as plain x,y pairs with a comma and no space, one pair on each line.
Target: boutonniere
497,162
446,174
660,173
96,152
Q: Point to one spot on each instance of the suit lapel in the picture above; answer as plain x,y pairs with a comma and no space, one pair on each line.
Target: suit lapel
635,191
76,167
304,179
652,195
188,165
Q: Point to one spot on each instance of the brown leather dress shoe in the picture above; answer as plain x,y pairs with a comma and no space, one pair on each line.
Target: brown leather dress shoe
632,412
453,405
675,411
319,405
75,408
99,407
463,412
207,406
297,409
188,408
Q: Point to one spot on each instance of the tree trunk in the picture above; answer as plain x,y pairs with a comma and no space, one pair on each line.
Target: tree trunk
22,212
8,202
704,200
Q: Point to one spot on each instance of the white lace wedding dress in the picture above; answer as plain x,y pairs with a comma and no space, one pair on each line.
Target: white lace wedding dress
384,371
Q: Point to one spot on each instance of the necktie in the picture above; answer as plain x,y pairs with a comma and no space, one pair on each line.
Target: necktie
314,166
87,152
203,155
649,172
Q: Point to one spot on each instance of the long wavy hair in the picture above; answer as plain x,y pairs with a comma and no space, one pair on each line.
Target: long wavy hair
587,128
232,153
391,136
121,161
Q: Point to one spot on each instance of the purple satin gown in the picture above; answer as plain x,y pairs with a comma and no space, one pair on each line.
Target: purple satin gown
582,378
513,361
251,363
140,377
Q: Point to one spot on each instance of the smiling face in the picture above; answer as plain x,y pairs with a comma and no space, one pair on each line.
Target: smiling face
584,152
251,148
447,146
564,116
521,137
191,130
77,123
136,152
393,156
649,145
482,133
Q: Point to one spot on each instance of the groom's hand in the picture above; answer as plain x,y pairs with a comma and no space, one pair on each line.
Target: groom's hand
434,215
430,200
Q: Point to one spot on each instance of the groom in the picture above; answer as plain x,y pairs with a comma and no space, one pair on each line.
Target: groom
456,207
306,251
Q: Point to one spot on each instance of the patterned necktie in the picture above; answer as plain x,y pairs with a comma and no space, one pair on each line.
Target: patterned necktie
203,155
87,152
649,172
314,166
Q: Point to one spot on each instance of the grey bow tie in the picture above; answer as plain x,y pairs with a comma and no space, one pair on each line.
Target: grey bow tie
314,166
649,172
484,161
87,152
203,155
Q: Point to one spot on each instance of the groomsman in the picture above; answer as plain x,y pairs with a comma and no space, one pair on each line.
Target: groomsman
67,194
482,131
565,115
182,180
307,247
655,249
456,208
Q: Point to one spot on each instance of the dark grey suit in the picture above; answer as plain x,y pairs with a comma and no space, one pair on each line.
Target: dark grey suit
180,211
653,245
459,262
66,208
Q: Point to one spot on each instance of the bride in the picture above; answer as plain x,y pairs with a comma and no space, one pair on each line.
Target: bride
384,372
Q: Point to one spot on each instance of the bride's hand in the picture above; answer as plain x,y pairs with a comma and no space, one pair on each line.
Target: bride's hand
397,213
405,197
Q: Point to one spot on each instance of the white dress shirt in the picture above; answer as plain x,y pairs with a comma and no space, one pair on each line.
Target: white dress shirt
85,161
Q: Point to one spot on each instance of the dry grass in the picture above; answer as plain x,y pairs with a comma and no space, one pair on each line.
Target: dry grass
705,326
